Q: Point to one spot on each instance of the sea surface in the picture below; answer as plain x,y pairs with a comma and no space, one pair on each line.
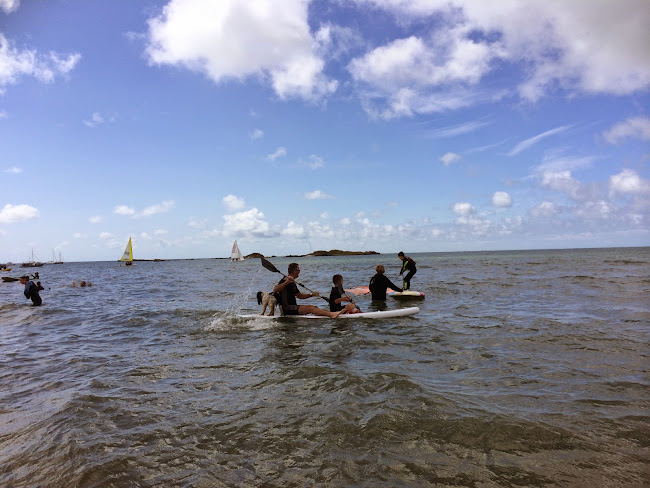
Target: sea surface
527,368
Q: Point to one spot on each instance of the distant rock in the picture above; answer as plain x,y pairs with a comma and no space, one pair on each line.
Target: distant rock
335,252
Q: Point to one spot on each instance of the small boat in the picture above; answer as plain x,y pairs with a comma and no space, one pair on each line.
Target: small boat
5,269
54,259
236,253
8,279
128,254
32,263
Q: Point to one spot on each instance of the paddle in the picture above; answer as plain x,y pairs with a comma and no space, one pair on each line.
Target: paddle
268,265
342,292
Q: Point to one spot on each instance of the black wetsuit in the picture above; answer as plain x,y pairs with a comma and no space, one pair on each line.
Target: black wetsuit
31,292
287,298
408,263
378,285
335,294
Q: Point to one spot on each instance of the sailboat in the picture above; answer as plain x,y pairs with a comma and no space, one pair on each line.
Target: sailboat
236,253
128,254
32,263
54,260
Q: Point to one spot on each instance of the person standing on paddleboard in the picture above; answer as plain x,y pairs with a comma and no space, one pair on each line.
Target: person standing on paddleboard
407,264
287,292
379,283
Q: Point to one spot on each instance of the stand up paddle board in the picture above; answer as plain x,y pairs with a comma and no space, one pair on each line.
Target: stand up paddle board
406,294
385,314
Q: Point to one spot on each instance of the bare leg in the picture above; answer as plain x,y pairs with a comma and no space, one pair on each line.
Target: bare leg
305,309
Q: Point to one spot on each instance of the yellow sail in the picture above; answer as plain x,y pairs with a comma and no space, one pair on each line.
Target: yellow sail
128,252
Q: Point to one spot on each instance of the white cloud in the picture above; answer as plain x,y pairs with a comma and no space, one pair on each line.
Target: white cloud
279,152
9,5
555,162
534,140
634,127
230,39
456,130
160,232
233,202
79,235
3,114
257,134
106,236
596,46
501,199
425,75
317,195
14,170
627,182
10,214
315,162
123,210
197,223
158,208
561,181
248,223
95,120
95,219
16,63
464,208
294,230
449,158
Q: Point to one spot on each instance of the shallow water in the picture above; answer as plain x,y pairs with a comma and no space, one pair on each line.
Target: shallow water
522,369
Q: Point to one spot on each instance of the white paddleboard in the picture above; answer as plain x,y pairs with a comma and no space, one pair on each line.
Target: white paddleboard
406,294
385,314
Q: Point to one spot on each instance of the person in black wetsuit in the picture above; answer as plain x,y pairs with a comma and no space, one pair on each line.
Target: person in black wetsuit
31,291
287,292
379,283
337,296
407,264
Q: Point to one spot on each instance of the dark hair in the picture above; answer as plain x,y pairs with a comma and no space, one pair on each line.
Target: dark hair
400,253
292,268
336,278
24,277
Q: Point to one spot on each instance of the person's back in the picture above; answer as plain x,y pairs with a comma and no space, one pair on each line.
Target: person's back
31,291
379,283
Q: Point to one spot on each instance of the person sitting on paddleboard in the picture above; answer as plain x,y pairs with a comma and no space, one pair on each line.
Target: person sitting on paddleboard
407,263
287,292
379,283
337,296
31,291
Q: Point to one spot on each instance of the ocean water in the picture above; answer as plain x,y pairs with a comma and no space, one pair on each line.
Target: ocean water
523,368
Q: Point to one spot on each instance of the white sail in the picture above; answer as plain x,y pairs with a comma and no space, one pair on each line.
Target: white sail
236,253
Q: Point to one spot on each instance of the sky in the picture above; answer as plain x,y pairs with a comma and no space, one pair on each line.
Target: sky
300,125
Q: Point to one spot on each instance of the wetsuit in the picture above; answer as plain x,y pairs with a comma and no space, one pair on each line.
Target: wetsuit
408,264
378,285
334,295
287,298
31,292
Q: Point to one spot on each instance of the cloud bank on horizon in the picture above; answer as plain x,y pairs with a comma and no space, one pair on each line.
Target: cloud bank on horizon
444,124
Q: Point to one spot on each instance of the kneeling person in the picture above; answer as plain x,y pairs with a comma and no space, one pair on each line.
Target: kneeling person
288,292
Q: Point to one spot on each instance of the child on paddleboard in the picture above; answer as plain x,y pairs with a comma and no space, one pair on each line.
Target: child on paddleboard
337,296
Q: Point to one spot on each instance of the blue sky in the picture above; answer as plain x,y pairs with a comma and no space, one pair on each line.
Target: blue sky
384,125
